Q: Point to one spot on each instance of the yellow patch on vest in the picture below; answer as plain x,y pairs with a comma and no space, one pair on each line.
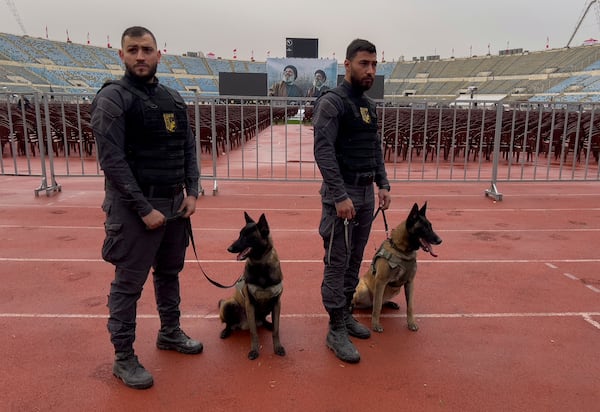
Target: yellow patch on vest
364,112
170,123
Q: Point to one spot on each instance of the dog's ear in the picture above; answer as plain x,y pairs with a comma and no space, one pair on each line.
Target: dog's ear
413,215
423,209
415,209
248,218
263,226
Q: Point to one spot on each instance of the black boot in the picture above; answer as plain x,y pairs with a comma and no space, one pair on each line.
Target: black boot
179,341
337,338
131,372
352,325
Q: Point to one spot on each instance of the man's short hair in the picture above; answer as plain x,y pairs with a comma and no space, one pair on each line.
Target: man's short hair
289,66
358,45
136,31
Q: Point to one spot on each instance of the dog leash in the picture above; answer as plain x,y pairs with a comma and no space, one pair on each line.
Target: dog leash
346,234
385,223
188,227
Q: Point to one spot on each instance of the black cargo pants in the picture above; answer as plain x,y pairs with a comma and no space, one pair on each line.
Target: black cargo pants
344,245
134,250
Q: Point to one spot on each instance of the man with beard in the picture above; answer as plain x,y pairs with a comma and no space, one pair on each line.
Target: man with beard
347,150
318,86
287,87
148,154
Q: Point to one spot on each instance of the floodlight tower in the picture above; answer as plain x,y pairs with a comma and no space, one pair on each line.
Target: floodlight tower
15,13
586,9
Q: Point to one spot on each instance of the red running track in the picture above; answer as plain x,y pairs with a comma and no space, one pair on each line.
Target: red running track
509,313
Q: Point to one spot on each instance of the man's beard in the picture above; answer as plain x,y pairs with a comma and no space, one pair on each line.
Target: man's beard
145,78
359,84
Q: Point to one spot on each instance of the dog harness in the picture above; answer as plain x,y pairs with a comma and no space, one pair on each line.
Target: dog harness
261,294
393,259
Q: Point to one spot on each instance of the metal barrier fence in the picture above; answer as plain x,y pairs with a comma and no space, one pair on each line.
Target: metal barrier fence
241,138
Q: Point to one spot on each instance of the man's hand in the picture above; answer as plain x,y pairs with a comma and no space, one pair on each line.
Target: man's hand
154,219
384,198
188,206
345,209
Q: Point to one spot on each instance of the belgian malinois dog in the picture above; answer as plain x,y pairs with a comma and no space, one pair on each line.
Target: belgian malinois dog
258,292
395,265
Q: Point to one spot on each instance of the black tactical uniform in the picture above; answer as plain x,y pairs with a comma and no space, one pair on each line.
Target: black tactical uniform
348,152
148,154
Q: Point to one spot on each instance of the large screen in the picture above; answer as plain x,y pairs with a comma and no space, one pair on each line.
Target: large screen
304,75
242,84
303,48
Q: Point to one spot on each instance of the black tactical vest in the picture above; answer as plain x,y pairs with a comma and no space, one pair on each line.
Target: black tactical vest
357,141
156,131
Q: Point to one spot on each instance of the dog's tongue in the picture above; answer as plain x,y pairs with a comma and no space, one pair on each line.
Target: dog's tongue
426,246
244,253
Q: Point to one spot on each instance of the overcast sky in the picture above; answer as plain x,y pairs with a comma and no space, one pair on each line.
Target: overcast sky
397,27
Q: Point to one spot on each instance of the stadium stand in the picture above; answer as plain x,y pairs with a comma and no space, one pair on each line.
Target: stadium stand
239,66
441,132
218,65
9,50
195,66
35,65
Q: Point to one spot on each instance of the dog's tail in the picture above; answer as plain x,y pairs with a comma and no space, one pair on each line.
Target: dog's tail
230,312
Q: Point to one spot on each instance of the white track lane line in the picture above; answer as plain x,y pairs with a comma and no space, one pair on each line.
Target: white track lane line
320,261
587,316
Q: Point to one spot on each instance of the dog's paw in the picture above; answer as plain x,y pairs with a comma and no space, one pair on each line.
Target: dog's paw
225,333
280,351
391,305
253,354
413,326
378,328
